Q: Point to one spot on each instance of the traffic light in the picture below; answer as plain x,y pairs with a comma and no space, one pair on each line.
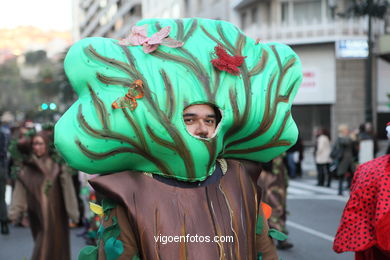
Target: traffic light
44,106
52,106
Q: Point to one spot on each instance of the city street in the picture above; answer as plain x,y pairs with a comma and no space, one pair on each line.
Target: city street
314,214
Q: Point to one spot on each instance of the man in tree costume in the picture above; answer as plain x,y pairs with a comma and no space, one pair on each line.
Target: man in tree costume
142,102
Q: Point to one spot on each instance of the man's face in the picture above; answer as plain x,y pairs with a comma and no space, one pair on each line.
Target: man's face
200,120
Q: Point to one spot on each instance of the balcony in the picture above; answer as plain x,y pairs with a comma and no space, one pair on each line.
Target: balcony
328,31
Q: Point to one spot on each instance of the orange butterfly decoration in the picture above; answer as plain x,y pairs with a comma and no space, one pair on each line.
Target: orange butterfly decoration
136,91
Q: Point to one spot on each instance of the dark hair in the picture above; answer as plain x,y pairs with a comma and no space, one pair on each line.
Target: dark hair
218,115
362,128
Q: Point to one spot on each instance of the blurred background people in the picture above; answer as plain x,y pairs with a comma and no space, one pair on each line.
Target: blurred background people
388,137
365,224
322,157
50,198
274,181
20,134
294,157
343,154
5,135
367,143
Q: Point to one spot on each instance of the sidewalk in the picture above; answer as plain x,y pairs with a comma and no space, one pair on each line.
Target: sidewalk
18,245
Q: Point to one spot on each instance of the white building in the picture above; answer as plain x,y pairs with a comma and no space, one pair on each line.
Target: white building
333,52
332,49
105,18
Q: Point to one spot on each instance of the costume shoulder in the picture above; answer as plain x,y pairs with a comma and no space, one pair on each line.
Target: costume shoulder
253,169
371,172
117,186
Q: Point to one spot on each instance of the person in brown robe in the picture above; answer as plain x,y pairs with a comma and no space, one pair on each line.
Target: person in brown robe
152,217
274,181
50,196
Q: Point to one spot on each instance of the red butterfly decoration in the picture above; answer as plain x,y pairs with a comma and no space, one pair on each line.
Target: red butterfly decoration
227,62
136,91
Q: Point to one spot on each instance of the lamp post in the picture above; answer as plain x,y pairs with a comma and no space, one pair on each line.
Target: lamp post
368,89
332,6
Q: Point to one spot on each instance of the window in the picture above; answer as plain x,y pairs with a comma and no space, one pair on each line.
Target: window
285,12
307,11
253,15
243,20
301,11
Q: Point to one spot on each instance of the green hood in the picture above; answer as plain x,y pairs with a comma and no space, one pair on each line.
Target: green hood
255,104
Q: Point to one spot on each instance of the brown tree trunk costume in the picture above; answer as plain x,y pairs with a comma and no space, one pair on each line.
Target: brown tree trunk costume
274,183
148,208
46,209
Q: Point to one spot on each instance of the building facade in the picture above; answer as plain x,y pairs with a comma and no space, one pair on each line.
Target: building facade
105,18
332,49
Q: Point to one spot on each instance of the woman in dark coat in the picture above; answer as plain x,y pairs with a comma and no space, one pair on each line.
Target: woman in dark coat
343,152
49,193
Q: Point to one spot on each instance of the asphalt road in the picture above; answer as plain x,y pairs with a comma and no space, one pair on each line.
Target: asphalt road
314,215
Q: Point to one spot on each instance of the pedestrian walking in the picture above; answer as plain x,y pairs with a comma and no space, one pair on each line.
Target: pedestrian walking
5,136
366,145
50,199
274,182
343,154
322,157
18,208
294,157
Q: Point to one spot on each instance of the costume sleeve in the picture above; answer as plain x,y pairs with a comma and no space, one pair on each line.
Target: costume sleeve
116,236
266,249
116,239
69,194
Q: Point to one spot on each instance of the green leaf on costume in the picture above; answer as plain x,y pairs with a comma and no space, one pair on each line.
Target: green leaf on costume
88,253
113,248
259,225
107,206
277,234
259,256
136,257
100,231
111,231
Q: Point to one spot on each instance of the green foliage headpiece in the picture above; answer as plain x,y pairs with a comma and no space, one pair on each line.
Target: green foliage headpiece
132,95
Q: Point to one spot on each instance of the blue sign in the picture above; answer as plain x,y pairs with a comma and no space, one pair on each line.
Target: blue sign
352,49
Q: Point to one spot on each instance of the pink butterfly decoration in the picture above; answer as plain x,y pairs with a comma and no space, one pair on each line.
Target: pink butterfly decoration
138,36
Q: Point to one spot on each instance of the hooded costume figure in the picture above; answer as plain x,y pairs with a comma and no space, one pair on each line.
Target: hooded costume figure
165,182
365,223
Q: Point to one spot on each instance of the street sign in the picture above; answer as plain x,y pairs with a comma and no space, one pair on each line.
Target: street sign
351,49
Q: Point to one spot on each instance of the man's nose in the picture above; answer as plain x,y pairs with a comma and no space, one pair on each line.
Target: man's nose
202,130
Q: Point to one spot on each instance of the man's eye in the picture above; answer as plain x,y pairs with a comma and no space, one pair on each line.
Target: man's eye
210,121
188,120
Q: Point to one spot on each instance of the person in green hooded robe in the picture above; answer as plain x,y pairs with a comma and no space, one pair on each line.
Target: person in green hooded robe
175,118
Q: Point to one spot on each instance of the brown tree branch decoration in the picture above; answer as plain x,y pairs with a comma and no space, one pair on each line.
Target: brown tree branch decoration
270,112
177,144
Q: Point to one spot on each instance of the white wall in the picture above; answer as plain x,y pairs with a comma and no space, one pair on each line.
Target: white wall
383,85
319,68
162,9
